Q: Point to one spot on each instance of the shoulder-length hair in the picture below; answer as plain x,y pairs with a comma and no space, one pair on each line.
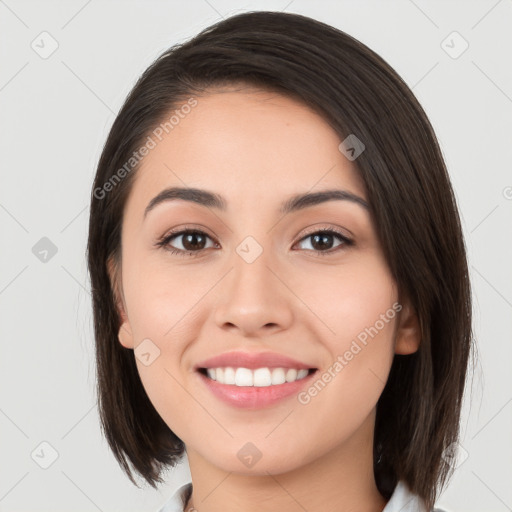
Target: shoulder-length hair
412,205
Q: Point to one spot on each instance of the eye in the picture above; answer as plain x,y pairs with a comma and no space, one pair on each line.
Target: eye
322,241
192,241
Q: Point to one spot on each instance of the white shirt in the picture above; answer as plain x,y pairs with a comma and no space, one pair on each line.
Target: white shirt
402,500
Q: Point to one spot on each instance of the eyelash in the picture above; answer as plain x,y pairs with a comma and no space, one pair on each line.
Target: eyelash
164,241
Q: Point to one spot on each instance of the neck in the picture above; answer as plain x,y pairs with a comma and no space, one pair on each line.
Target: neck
341,480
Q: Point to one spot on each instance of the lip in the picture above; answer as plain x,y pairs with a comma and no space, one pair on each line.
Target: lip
252,361
254,397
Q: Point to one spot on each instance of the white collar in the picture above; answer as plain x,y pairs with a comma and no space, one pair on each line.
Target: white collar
176,502
402,500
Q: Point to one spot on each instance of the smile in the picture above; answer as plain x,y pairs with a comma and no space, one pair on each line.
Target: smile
260,377
244,388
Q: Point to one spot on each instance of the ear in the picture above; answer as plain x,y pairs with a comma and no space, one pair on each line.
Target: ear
408,334
125,334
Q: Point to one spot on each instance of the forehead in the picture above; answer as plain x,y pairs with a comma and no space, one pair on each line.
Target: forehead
251,146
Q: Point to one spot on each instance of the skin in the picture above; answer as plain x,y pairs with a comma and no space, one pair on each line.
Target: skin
257,148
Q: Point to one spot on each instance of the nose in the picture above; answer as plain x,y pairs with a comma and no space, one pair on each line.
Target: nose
253,299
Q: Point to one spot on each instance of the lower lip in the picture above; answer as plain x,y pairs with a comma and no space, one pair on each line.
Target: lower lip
254,397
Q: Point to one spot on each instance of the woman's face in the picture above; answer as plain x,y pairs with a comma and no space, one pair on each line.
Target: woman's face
260,280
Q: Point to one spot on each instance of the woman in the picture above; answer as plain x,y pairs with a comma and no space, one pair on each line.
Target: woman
280,284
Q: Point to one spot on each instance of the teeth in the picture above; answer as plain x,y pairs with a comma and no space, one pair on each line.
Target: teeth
229,376
291,375
261,377
243,377
278,376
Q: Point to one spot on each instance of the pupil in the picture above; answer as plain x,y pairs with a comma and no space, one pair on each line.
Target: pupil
188,240
322,241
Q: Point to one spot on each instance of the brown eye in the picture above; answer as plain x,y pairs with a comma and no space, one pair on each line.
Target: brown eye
192,242
322,241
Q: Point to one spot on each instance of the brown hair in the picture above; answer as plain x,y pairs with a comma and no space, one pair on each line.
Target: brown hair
411,202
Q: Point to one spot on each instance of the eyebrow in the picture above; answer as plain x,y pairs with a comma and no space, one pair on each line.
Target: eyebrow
213,200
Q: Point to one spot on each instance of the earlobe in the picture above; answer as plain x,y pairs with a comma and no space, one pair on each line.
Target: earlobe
408,334
125,334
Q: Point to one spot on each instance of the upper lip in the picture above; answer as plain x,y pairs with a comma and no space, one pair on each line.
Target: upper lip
252,360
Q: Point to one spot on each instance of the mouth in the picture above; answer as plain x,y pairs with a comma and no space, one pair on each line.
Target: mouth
254,389
259,377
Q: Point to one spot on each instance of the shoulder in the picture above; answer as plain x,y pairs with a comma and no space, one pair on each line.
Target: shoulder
177,501
403,500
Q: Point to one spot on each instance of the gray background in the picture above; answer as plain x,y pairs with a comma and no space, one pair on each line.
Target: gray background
56,113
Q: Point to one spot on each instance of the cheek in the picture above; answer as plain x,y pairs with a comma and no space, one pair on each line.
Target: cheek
359,305
352,298
163,296
166,305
